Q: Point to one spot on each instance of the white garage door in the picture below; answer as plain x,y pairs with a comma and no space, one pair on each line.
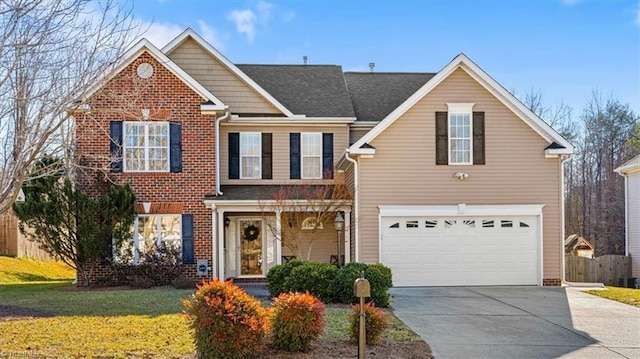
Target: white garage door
461,250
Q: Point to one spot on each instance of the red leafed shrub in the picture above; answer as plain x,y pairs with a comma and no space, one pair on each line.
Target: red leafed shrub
297,319
375,323
228,323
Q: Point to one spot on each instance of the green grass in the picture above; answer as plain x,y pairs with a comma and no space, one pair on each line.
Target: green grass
144,323
623,295
20,270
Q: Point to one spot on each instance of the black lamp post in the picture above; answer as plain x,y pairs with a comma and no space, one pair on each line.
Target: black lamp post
339,224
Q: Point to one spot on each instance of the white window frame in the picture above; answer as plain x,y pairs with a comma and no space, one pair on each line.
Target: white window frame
304,135
145,146
459,109
136,233
243,139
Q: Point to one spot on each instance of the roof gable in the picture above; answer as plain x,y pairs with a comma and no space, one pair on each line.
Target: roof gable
189,33
630,166
463,62
210,101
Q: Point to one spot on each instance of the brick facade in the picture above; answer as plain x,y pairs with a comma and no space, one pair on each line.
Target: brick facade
168,99
552,282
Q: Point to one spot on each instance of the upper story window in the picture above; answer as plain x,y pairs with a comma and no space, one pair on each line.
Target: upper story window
146,147
250,151
460,125
311,155
460,138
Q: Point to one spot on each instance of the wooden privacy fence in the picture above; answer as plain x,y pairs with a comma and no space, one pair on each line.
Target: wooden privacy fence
15,244
604,269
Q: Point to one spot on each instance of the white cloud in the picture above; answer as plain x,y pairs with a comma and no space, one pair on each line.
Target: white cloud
264,10
211,35
245,21
160,33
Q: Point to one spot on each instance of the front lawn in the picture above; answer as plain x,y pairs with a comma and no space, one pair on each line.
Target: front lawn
622,295
55,319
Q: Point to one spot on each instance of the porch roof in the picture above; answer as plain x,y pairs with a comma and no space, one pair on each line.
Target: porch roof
261,192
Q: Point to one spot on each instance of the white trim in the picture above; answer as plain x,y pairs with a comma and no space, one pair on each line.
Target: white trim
630,166
463,62
462,210
259,134
228,64
221,259
363,151
138,49
298,120
146,148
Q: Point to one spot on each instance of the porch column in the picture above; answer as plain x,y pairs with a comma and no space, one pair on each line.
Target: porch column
220,237
347,236
279,238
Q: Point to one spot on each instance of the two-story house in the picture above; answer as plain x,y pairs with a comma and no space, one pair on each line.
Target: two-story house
453,180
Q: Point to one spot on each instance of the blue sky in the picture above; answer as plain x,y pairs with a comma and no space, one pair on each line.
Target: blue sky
565,49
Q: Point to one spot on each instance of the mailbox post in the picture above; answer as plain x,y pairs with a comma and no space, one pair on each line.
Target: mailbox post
361,289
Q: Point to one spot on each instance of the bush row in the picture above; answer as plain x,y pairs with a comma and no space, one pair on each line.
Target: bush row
328,283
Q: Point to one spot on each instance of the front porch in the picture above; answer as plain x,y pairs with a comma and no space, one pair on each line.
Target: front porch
250,236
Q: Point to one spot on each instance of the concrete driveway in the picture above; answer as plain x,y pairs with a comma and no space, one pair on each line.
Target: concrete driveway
519,322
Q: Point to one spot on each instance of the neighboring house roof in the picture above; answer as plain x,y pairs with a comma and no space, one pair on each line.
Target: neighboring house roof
228,64
463,62
375,94
630,166
211,102
312,90
574,240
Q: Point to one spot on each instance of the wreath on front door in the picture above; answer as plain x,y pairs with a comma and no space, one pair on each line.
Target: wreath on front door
251,233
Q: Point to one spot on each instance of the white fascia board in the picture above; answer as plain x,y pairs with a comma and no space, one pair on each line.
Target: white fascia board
363,151
364,124
235,119
555,152
266,205
138,49
628,167
462,61
462,210
228,64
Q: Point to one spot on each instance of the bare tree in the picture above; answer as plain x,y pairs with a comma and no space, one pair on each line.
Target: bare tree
303,209
51,52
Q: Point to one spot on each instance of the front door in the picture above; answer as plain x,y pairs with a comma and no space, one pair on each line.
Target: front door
250,258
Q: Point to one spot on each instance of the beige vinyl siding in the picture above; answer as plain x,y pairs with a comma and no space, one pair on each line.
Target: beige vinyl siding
224,84
403,170
323,246
280,150
633,188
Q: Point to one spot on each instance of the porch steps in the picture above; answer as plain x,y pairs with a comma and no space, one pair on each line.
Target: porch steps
257,288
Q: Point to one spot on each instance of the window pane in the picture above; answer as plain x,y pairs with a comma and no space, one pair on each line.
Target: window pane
134,134
250,155
311,167
311,147
171,227
460,138
250,167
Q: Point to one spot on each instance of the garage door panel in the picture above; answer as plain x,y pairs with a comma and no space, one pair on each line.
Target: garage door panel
461,250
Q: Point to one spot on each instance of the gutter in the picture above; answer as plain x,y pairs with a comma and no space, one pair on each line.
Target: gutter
218,120
355,204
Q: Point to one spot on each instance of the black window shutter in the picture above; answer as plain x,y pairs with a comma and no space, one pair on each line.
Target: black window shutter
187,239
327,155
294,155
442,138
478,138
175,147
267,140
115,145
234,155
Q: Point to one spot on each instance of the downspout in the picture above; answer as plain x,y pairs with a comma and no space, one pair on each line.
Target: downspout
562,214
218,120
355,203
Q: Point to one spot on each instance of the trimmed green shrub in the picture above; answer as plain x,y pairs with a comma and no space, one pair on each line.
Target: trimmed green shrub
277,277
228,323
375,323
342,285
313,277
379,277
297,319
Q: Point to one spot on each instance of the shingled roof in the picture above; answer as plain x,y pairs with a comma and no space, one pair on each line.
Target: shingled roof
312,90
375,94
